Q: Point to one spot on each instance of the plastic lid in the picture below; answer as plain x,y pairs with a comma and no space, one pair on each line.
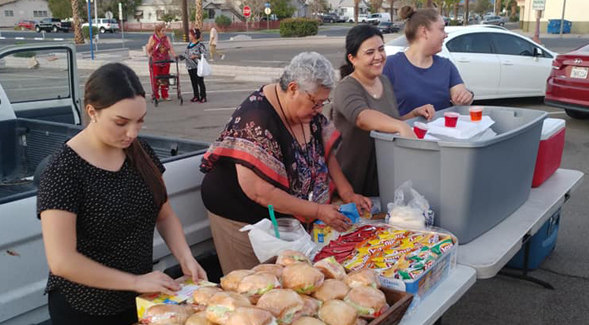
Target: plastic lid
551,126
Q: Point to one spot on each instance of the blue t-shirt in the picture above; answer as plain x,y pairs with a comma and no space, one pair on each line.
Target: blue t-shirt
416,87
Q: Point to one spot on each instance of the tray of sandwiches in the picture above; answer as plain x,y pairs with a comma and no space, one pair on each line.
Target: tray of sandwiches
288,289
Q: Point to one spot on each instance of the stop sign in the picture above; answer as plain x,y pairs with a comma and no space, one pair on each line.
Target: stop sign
247,11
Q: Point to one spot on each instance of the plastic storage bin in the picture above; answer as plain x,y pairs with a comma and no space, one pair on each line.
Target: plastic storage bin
550,150
541,245
554,26
471,186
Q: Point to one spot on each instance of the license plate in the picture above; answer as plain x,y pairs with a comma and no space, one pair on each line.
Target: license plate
579,72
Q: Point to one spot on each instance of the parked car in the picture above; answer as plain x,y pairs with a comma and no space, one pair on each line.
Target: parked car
446,20
361,18
388,27
342,18
329,18
493,62
493,20
105,25
26,24
378,18
53,25
568,84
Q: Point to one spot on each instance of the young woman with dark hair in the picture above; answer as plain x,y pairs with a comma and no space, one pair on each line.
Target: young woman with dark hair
364,101
194,52
99,200
420,77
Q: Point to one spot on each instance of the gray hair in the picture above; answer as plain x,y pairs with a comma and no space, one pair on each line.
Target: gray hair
309,70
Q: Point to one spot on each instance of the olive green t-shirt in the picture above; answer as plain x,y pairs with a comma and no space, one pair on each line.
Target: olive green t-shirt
356,154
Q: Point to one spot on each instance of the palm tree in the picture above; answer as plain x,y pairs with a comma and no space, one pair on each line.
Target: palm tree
392,10
198,14
78,36
356,9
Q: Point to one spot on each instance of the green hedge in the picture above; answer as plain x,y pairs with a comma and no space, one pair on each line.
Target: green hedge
298,27
223,21
86,31
454,23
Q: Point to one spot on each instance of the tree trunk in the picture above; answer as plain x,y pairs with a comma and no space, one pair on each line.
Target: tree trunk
198,14
498,7
392,10
78,36
465,23
513,8
456,11
185,19
356,9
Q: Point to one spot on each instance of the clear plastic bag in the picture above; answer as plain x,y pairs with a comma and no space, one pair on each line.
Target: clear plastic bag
409,208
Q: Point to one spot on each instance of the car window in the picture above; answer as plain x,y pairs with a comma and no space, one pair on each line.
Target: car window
29,76
471,43
512,45
399,41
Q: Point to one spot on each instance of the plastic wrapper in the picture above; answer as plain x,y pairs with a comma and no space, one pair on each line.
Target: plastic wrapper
302,278
331,268
409,209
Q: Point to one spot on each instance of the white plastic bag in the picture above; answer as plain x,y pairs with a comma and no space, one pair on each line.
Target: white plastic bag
266,245
409,208
203,69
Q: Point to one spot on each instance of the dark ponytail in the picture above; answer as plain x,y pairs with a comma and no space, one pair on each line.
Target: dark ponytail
108,85
354,39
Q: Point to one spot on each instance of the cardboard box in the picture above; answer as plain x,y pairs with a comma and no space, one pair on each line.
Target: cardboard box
182,296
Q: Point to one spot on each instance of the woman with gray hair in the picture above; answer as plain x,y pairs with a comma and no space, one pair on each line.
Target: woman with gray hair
277,148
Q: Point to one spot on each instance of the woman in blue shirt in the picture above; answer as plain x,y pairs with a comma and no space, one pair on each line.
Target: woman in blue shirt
419,77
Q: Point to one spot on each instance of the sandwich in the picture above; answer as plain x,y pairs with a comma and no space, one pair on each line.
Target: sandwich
198,319
337,312
282,303
308,321
272,268
231,281
369,302
167,314
302,278
332,289
255,285
331,268
288,257
222,304
202,295
251,316
310,306
363,277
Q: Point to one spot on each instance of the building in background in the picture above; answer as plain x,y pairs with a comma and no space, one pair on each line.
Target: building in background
12,11
576,11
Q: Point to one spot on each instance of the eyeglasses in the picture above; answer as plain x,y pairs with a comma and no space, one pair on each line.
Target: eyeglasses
317,103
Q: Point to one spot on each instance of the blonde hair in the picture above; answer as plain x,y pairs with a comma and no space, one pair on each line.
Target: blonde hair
159,27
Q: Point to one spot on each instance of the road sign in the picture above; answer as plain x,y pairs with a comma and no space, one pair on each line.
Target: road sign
108,15
267,11
120,12
267,4
247,11
538,4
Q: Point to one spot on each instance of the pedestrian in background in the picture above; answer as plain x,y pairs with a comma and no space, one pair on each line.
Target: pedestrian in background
159,48
213,39
194,52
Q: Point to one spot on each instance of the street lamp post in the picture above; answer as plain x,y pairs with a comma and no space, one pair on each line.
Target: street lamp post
564,4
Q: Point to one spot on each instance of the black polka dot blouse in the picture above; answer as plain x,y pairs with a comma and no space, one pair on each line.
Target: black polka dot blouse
116,217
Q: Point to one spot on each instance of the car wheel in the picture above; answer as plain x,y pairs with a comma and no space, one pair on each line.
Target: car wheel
502,24
577,114
55,30
22,28
37,29
102,30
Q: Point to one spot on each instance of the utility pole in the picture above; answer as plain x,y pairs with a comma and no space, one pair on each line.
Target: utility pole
466,12
185,19
564,4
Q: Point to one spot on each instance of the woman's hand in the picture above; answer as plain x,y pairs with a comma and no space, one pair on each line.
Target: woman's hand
191,268
331,216
406,131
426,111
155,281
462,96
362,203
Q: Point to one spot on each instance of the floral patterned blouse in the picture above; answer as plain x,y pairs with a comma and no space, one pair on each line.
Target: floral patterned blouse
256,137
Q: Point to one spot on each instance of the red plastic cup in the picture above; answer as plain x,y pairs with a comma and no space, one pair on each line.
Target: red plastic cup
451,118
420,129
476,113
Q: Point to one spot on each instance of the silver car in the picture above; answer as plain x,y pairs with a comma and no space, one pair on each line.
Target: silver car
493,20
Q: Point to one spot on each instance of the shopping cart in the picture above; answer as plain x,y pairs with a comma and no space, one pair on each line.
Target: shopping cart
172,80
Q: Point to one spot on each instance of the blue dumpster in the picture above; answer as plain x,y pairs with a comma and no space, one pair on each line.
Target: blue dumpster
554,26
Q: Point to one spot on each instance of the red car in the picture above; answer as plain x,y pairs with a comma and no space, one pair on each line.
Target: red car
26,24
568,84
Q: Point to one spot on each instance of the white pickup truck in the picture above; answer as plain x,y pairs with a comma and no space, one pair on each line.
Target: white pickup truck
40,105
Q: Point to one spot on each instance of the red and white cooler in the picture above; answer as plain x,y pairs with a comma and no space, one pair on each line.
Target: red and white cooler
550,150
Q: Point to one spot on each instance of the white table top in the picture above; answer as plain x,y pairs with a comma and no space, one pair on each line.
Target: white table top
446,294
490,252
